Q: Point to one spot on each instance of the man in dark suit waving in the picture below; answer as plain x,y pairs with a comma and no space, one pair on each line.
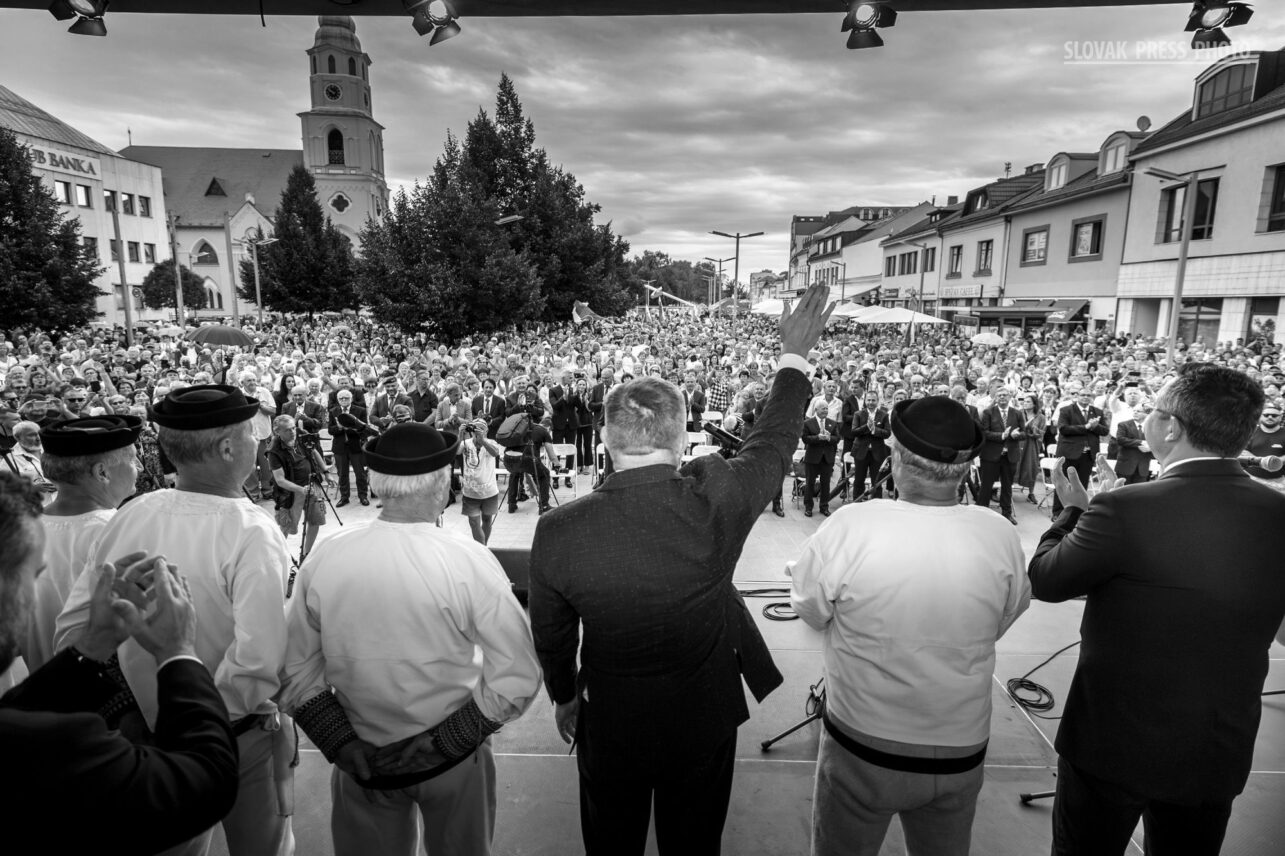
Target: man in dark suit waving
349,428
645,563
1185,593
1080,429
1002,425
820,443
68,777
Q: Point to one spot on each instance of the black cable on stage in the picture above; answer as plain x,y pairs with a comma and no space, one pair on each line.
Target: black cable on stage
1040,699
778,611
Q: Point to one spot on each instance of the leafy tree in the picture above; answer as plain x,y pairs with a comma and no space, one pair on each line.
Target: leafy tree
309,268
46,273
439,260
681,278
158,287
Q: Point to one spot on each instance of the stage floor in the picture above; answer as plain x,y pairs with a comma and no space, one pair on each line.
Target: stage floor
771,804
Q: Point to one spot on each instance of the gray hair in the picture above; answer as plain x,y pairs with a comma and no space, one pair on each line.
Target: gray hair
922,469
396,487
643,416
282,420
76,468
194,447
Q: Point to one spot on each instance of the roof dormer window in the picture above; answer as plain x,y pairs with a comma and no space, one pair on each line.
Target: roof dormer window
1056,176
1114,157
1231,87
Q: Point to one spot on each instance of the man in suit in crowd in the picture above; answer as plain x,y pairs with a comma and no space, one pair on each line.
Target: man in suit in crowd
381,414
309,415
1185,593
820,444
1080,427
656,701
1133,455
61,760
597,398
348,430
345,383
693,402
868,429
490,407
564,423
1002,425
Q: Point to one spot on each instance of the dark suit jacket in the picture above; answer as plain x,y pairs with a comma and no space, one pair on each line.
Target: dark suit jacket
345,438
564,411
358,398
1073,435
1185,593
815,449
867,441
646,563
381,415
994,423
598,397
90,790
1129,458
496,419
313,418
695,407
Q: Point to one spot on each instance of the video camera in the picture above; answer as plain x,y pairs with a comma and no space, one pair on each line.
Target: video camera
729,444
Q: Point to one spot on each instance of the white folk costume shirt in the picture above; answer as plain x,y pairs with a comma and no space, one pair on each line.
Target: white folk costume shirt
69,544
407,623
235,561
911,599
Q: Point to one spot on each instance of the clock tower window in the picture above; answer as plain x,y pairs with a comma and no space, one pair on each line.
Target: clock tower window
335,147
352,67
330,64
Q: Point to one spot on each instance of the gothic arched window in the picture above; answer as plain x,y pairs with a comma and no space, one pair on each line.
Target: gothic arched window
352,67
330,64
204,254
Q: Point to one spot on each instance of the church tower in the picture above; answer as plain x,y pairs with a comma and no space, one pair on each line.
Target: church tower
343,145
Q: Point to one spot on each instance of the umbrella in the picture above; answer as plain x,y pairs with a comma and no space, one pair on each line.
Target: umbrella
768,307
170,331
988,339
899,315
218,334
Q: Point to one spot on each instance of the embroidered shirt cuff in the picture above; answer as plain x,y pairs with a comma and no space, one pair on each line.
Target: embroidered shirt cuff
326,723
463,731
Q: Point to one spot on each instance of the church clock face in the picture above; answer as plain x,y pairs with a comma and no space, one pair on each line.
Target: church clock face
333,92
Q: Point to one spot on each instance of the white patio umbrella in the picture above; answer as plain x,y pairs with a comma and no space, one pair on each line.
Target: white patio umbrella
899,315
768,307
988,338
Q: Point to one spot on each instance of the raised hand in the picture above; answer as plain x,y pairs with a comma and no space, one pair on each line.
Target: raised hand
802,326
1067,484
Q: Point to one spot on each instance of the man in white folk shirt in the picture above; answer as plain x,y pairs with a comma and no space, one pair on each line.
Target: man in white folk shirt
383,669
236,563
912,595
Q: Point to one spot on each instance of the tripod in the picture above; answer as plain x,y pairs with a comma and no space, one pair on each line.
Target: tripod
885,473
814,707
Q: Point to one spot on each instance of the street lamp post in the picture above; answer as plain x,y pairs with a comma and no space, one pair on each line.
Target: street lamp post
254,239
844,281
719,285
178,278
1188,216
736,275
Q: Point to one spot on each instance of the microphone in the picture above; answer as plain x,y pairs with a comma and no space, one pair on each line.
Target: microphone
1270,463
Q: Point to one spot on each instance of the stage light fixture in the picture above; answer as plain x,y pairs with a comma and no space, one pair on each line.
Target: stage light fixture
1208,17
862,19
88,15
433,16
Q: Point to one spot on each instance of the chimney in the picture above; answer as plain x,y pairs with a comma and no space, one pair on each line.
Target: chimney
952,200
1034,168
249,197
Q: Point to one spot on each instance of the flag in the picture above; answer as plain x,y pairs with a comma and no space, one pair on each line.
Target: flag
580,313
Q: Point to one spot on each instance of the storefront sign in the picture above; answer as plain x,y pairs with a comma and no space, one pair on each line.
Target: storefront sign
44,158
889,293
956,291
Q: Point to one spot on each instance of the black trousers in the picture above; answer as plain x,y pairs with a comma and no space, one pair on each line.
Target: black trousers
515,468
566,435
584,444
811,472
1092,817
618,783
358,461
861,467
991,471
1082,465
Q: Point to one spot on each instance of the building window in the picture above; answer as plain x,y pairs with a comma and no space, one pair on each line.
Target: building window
62,192
1231,87
131,250
1172,201
1086,239
144,206
956,260
909,263
1035,246
330,64
1057,176
1275,199
205,255
335,147
890,266
1113,158
1200,319
84,196
314,65
149,253
930,259
985,249
109,200
340,203
91,246
127,203
115,248
352,67
215,189
1262,318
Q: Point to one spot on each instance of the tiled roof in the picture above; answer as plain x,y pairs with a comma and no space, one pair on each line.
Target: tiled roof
1082,185
1182,126
188,172
1000,193
21,116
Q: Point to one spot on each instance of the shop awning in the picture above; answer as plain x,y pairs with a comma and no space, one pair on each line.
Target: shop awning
1052,311
1066,311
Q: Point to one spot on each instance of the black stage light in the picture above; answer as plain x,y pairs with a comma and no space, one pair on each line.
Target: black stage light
433,16
863,18
1208,17
88,15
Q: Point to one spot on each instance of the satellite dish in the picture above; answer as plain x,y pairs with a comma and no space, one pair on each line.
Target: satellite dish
1144,122
254,234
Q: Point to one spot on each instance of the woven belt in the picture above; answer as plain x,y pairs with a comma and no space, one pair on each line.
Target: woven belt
905,763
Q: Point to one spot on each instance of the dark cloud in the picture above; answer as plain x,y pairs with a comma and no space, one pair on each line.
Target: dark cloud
675,126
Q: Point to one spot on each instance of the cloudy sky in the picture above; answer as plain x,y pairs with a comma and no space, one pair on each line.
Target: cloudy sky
675,126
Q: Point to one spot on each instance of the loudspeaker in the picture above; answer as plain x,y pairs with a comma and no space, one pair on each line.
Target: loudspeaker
516,562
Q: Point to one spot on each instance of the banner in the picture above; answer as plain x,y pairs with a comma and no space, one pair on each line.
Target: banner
580,313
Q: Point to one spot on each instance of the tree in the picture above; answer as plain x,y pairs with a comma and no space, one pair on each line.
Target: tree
681,278
309,267
439,260
158,287
46,272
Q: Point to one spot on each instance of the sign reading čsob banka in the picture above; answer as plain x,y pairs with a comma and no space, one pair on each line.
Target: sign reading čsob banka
75,164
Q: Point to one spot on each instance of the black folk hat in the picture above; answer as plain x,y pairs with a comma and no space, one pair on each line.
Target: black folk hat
411,449
195,408
937,428
92,435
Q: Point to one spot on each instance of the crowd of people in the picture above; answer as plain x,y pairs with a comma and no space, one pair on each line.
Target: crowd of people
162,618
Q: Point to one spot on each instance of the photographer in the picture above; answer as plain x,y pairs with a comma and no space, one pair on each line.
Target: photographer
524,457
294,468
481,493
